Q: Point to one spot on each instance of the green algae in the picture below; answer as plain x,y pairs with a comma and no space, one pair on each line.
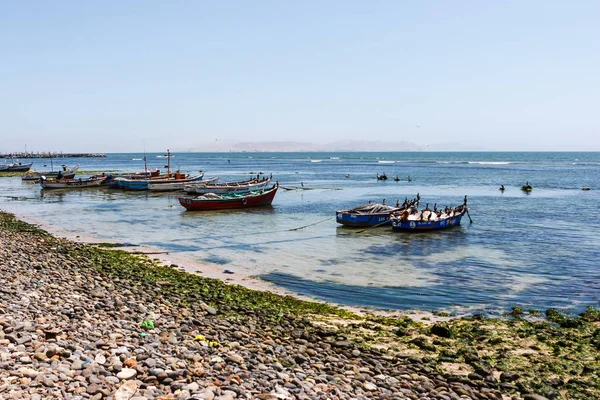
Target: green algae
555,354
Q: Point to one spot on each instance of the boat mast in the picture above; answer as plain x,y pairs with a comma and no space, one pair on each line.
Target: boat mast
145,167
168,163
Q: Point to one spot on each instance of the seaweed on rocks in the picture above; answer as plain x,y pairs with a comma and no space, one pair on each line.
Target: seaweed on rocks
84,320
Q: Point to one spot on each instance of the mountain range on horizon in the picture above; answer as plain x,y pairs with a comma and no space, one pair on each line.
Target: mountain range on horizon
341,145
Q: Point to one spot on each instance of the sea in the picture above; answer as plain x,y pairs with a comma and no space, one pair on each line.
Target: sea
532,250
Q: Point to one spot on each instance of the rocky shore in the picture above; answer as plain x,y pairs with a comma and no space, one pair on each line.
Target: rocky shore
81,321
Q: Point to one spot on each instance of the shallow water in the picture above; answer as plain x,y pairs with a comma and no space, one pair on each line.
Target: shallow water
539,249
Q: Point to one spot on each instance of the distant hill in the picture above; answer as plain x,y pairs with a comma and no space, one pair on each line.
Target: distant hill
290,146
341,145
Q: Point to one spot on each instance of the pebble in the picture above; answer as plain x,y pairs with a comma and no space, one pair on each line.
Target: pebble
127,373
79,336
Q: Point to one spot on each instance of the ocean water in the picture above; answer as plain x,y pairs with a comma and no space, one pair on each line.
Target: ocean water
531,250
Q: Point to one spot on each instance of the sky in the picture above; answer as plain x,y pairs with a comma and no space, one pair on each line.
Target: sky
117,76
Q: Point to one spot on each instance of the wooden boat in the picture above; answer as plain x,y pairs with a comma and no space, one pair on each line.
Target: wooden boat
71,183
366,215
143,184
66,173
426,220
372,214
211,201
15,167
229,187
173,186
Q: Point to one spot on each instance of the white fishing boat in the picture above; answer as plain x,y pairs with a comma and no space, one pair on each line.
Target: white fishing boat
174,186
229,187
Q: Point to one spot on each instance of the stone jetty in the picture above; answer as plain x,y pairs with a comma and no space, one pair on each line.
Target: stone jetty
51,155
81,321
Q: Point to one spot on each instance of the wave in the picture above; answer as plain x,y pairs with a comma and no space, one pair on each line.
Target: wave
490,162
315,160
386,162
136,159
473,162
334,158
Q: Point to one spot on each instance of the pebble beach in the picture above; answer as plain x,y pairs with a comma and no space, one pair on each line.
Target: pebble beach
84,321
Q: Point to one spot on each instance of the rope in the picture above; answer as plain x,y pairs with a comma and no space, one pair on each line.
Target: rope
374,226
306,226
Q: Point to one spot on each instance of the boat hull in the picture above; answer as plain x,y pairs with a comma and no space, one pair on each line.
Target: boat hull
143,184
175,186
16,167
246,201
73,184
414,226
361,220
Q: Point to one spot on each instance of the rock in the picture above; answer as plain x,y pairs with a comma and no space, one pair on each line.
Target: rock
28,372
100,359
441,330
534,397
126,391
94,389
369,386
127,373
211,311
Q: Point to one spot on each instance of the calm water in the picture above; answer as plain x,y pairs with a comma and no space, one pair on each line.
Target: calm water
539,249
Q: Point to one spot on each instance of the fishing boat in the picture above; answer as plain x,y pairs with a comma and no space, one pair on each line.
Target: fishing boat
371,214
412,219
143,184
212,201
174,186
71,183
15,167
228,187
66,173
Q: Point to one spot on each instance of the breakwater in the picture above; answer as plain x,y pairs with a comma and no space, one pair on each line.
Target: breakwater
51,155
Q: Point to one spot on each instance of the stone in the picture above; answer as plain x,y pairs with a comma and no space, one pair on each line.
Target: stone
127,373
126,391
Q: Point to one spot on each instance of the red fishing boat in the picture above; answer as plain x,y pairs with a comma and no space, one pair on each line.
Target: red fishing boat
212,201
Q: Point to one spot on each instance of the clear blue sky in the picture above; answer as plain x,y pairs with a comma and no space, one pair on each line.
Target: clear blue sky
107,76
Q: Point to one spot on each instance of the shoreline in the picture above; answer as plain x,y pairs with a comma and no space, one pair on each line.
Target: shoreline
211,271
116,323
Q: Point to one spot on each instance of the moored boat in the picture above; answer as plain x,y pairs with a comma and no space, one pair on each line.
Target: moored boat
212,201
143,184
372,214
66,173
413,220
15,167
72,183
176,186
229,187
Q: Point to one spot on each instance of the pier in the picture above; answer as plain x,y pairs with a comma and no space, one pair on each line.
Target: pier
51,155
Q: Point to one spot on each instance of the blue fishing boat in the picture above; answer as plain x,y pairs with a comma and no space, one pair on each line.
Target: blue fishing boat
143,184
371,214
412,219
